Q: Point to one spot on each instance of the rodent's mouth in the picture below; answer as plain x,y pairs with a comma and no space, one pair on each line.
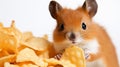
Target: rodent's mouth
73,42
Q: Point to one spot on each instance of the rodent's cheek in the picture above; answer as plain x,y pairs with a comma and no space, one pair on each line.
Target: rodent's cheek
58,36
79,40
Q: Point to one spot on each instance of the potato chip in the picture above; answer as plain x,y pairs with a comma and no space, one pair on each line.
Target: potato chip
1,25
8,42
3,53
11,31
75,55
52,61
26,36
9,58
45,36
59,63
9,38
28,54
15,31
21,47
29,65
7,64
43,54
37,43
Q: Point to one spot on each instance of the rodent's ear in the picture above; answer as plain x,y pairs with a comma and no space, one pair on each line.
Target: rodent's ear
91,7
54,7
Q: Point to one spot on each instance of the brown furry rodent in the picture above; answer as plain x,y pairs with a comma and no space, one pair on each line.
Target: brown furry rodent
77,27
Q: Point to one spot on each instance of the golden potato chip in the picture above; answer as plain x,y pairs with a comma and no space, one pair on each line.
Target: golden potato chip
26,36
75,55
9,38
9,58
45,36
1,25
37,43
21,47
8,42
28,54
3,53
43,54
7,64
61,63
52,61
11,31
66,63
29,65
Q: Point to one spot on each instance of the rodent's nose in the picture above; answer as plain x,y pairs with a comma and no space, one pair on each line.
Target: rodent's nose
72,37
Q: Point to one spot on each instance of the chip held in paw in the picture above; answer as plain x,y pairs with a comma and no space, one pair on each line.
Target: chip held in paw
23,49
75,55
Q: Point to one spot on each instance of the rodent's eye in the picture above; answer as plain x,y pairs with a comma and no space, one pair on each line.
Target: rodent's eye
83,26
61,27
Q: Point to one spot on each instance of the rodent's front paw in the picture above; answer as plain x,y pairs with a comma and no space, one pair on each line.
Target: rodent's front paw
58,56
87,53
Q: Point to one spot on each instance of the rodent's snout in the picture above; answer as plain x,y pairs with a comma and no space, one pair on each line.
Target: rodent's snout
71,36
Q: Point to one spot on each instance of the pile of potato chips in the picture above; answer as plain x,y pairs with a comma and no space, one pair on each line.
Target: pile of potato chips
19,49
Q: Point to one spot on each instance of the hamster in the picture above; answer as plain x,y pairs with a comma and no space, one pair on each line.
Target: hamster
77,27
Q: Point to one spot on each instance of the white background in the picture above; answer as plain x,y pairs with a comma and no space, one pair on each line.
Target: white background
33,15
